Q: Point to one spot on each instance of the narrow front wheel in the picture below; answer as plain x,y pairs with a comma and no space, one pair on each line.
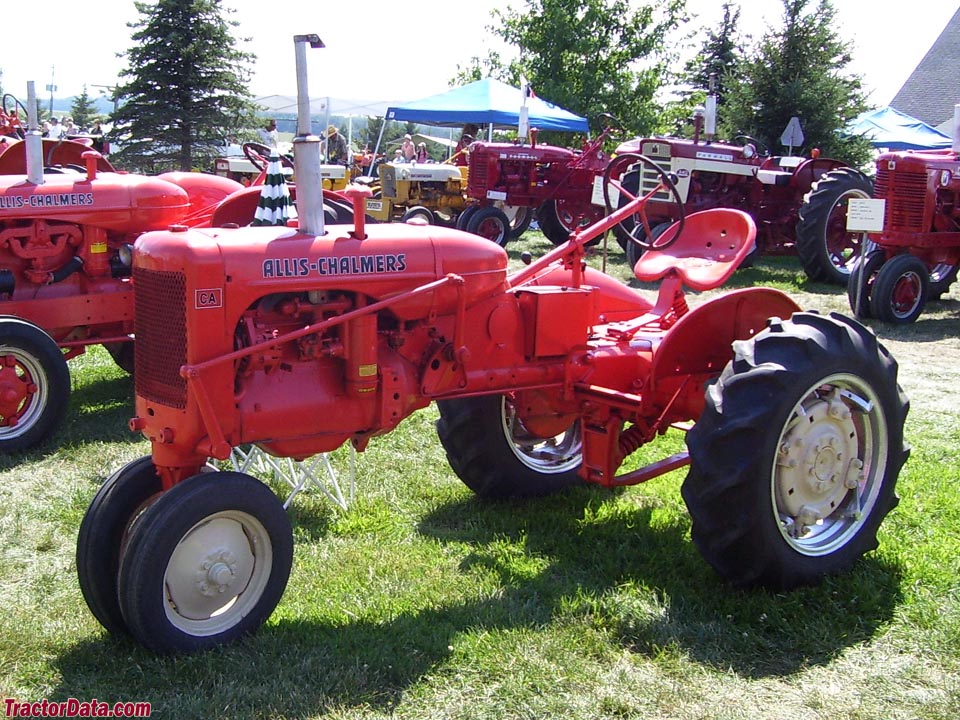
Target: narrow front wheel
205,564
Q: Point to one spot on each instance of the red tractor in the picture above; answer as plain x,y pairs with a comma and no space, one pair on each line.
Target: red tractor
300,340
67,226
915,258
554,183
799,204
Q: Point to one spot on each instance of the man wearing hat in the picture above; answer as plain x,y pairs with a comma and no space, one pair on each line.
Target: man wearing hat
336,147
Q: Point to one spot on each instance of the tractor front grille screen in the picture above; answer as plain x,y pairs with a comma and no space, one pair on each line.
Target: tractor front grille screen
905,193
388,180
650,178
160,336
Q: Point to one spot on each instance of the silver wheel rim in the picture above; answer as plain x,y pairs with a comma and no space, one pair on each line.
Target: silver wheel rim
558,454
37,391
843,259
828,471
217,573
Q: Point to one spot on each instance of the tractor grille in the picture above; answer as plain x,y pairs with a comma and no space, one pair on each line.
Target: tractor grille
660,153
388,180
477,180
160,332
905,193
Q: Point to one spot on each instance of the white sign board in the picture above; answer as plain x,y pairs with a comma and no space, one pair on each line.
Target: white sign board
865,215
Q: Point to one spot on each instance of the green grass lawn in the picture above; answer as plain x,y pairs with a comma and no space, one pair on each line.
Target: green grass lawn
421,601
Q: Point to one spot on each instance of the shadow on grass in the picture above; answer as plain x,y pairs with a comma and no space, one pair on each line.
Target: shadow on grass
98,411
621,570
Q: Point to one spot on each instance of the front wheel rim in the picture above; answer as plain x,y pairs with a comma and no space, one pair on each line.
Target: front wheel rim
558,454
217,573
829,467
907,294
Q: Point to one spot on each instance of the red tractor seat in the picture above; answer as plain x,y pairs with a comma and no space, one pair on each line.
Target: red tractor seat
711,247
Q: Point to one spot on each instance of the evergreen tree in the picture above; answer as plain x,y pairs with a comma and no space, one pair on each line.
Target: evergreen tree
798,71
718,57
185,89
83,110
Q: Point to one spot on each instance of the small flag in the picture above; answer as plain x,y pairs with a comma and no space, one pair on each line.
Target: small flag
528,91
275,206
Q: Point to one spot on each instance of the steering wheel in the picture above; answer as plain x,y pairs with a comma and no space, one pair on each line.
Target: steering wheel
259,155
11,120
609,122
744,140
636,226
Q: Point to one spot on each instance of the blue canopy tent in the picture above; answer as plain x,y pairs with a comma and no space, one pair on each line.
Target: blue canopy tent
486,102
894,130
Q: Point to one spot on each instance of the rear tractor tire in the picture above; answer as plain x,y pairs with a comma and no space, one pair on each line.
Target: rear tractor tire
496,456
795,458
825,248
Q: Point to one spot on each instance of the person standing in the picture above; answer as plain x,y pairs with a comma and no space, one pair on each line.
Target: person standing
54,131
422,154
269,135
408,149
336,147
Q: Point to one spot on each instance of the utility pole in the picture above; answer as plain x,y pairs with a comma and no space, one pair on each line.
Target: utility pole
52,89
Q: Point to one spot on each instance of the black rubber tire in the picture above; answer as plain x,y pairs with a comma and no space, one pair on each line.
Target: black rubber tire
29,358
464,217
744,472
102,533
419,211
473,431
900,290
860,283
941,278
552,227
122,354
489,222
621,231
520,217
634,251
823,210
251,537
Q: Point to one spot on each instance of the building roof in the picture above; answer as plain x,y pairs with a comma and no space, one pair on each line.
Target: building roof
933,88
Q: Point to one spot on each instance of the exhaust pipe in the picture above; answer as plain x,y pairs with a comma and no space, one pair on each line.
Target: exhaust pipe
306,147
33,139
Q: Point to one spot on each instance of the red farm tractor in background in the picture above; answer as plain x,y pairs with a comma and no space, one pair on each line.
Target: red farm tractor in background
554,184
67,226
915,258
798,203
300,340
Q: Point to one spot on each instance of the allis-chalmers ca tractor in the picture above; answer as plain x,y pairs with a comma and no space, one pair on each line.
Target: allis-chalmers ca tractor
555,183
67,225
300,340
799,204
915,258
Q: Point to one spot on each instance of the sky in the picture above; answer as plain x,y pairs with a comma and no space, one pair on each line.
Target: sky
409,50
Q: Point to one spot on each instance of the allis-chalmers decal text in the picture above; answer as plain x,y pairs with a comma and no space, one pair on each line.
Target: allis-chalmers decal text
15,202
336,265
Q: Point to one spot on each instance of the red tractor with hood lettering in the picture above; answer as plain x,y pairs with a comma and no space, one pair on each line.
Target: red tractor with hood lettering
916,256
798,203
68,221
554,184
298,340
